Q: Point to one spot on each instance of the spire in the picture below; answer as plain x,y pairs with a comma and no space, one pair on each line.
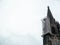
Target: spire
49,14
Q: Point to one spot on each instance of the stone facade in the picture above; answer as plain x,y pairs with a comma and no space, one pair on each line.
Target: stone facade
51,30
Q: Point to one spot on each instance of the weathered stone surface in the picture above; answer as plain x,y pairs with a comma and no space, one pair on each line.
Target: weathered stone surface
51,30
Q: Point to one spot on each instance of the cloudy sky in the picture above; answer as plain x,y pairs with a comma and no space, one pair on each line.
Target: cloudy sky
20,20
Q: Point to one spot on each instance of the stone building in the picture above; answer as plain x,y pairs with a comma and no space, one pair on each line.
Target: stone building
51,30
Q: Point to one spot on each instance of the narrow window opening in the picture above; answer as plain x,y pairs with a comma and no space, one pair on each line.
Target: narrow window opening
53,30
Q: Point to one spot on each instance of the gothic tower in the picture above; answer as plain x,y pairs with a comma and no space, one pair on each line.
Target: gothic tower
51,30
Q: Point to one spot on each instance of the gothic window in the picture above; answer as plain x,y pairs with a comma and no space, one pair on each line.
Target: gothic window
53,30
49,43
56,42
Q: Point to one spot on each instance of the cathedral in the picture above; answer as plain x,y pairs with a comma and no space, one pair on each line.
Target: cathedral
51,30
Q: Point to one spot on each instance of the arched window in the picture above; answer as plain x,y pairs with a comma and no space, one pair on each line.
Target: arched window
49,43
53,30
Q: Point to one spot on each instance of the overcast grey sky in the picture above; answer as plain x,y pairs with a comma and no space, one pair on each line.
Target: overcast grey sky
20,20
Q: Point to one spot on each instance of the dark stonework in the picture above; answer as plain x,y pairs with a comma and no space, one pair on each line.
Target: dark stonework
51,30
